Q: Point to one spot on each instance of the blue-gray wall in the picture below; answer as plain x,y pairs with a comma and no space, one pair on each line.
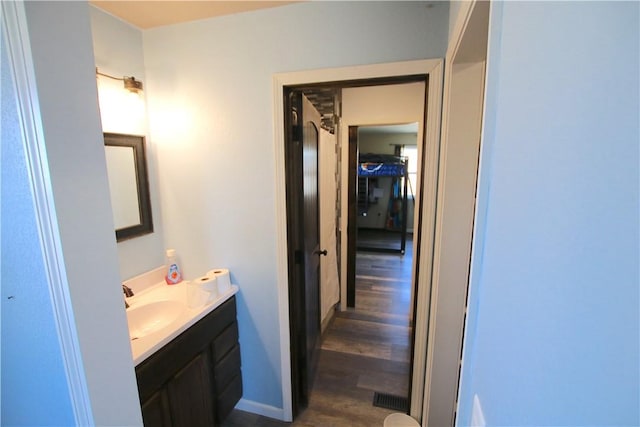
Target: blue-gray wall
552,333
58,37
34,384
210,104
117,47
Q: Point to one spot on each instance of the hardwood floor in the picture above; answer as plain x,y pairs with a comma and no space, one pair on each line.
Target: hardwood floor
364,350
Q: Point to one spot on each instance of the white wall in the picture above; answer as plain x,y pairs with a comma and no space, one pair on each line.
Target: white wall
117,47
553,327
210,109
328,185
384,142
60,38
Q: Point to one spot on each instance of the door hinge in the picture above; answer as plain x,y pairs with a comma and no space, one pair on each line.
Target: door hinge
296,127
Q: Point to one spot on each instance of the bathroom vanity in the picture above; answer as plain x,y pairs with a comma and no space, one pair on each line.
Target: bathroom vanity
188,372
194,380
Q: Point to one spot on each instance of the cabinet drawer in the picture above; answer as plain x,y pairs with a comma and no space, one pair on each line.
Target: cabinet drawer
225,342
228,398
227,368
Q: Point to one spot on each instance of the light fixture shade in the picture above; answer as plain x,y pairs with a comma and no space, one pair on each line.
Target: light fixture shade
132,85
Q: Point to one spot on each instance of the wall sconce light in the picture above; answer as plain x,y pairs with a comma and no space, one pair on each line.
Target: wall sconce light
130,83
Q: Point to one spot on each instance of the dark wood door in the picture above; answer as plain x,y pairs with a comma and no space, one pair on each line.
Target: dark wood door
303,236
352,226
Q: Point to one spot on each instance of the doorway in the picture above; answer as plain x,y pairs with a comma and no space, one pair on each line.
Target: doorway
385,176
430,70
382,164
404,99
385,185
381,294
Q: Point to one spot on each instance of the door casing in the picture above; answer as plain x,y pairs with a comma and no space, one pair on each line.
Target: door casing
462,122
432,70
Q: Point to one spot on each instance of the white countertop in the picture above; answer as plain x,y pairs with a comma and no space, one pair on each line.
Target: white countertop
143,347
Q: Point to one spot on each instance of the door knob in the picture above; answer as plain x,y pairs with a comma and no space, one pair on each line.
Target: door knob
324,252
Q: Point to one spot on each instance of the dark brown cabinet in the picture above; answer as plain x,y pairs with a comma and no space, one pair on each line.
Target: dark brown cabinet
195,380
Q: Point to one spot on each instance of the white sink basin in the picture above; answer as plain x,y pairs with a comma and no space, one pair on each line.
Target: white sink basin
147,318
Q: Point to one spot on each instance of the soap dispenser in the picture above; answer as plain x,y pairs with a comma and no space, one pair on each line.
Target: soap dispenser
174,275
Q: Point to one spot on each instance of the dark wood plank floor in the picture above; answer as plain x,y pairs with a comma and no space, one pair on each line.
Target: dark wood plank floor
364,350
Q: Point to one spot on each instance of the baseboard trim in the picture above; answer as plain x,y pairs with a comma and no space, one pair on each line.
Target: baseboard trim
261,409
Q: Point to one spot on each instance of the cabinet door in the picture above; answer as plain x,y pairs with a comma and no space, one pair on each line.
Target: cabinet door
155,411
190,394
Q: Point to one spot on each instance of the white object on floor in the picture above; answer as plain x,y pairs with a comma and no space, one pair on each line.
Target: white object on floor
400,420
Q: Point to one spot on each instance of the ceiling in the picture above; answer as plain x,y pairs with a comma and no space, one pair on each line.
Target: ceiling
146,14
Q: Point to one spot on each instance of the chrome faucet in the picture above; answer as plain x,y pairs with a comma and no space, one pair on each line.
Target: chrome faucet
127,293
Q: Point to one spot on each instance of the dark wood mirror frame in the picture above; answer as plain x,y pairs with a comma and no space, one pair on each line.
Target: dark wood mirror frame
144,201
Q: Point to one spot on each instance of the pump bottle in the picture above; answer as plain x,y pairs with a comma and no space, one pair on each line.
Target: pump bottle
173,275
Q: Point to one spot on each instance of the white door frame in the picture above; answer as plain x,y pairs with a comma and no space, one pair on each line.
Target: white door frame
462,120
433,68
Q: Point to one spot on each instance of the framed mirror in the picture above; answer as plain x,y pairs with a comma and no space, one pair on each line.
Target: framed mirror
128,185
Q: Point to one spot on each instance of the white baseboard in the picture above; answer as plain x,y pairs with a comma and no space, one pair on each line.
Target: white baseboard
261,409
